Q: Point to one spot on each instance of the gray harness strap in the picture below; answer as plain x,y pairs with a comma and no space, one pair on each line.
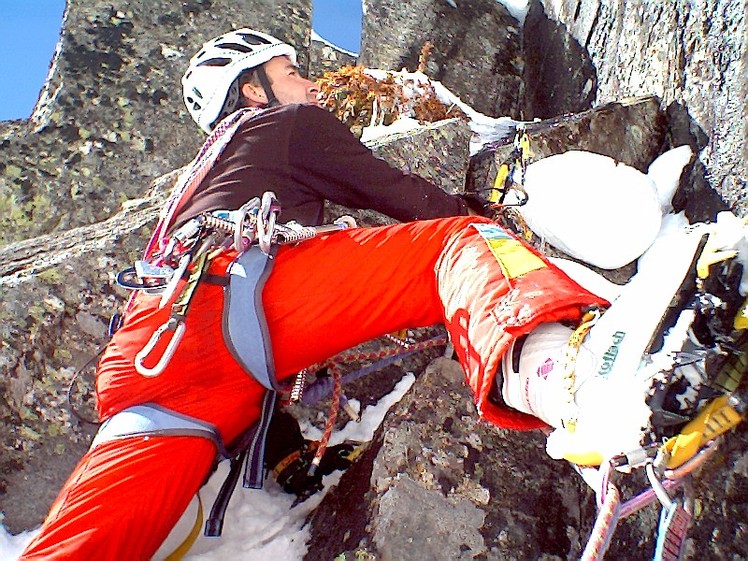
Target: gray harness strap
244,327
247,338
153,420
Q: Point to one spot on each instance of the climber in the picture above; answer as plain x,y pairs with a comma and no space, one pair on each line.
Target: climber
287,144
323,296
283,142
508,310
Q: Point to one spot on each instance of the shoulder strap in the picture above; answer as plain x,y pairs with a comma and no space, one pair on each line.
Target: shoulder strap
191,178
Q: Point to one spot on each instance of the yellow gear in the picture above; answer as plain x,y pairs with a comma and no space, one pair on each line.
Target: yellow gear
715,419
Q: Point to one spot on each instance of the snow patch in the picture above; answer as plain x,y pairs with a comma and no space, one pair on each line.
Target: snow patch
517,8
12,546
592,208
317,37
665,172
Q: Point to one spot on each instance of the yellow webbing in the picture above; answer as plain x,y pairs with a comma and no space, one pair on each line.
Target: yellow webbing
191,538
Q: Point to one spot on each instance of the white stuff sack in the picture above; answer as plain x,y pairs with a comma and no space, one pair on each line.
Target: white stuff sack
592,208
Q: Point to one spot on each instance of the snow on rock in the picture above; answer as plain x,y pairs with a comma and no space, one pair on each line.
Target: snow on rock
575,194
415,84
665,172
317,37
517,8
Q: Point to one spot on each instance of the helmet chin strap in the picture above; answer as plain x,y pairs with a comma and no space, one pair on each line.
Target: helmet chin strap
265,83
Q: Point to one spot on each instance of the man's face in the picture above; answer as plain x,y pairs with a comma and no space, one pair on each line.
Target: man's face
288,85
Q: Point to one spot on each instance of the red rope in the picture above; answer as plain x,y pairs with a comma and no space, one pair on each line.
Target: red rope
332,416
333,366
384,353
605,524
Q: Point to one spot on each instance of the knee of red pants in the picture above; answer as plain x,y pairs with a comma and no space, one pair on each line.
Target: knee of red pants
123,499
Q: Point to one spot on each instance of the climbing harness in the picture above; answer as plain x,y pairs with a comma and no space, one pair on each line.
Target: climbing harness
253,232
150,419
177,260
175,323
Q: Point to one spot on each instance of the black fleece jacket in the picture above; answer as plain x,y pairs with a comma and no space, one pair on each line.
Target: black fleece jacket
305,155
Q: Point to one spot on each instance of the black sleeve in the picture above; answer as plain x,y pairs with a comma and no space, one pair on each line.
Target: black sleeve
341,169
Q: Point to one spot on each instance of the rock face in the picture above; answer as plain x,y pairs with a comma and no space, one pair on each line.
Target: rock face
325,58
97,136
477,47
632,131
559,74
693,56
58,293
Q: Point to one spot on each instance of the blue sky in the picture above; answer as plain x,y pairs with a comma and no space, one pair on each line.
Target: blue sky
29,30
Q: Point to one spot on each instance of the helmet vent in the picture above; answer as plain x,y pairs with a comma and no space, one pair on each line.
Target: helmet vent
253,39
216,62
236,47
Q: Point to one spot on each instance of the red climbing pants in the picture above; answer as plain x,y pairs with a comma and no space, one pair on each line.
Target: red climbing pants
323,296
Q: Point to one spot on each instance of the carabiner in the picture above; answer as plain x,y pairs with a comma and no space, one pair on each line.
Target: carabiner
173,324
266,219
244,225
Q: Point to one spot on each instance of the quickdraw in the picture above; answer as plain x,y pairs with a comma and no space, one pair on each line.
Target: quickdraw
175,323
511,174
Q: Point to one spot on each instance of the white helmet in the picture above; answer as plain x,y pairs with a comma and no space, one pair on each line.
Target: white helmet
213,70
